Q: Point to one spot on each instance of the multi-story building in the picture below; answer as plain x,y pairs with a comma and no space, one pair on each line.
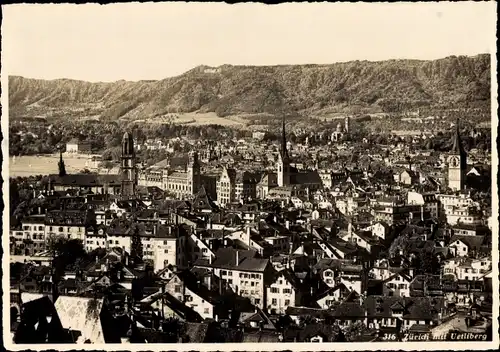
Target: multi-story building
34,230
284,291
391,212
247,275
467,268
234,186
70,224
459,209
179,183
226,187
428,201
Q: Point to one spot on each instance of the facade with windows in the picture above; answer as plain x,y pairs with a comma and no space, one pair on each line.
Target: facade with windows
283,293
34,233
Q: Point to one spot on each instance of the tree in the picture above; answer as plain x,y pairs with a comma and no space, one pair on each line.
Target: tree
353,331
428,262
175,330
66,253
305,320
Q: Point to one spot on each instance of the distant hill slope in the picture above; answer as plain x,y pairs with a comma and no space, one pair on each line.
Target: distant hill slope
231,90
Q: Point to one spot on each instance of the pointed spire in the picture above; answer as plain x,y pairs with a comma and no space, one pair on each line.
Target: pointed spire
62,167
457,147
284,151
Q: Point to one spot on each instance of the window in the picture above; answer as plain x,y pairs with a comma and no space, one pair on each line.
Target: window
274,302
287,290
206,311
166,251
257,301
287,302
61,229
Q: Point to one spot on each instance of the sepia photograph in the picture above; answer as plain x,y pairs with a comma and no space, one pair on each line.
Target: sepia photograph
207,176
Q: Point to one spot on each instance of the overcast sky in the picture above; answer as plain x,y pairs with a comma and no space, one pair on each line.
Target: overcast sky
154,41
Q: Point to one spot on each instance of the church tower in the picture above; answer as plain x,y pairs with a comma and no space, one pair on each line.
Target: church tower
60,164
283,161
193,172
128,167
457,163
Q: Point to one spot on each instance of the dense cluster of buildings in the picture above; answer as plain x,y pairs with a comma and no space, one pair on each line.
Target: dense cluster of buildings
282,253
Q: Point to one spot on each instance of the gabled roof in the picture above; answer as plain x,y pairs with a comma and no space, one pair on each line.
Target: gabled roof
289,277
225,258
203,201
192,282
331,290
473,242
402,274
260,317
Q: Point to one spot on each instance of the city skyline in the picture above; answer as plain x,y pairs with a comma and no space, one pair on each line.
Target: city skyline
259,35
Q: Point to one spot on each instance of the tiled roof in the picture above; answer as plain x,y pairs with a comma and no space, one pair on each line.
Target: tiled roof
196,332
84,180
473,242
81,314
253,264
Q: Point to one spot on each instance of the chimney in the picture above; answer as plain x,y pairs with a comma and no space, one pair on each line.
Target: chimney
237,257
96,259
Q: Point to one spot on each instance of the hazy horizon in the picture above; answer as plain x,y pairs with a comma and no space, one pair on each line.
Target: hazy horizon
233,65
154,41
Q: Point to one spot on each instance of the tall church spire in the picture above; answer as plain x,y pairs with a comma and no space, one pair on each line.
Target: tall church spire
283,161
62,167
457,162
128,167
283,151
457,147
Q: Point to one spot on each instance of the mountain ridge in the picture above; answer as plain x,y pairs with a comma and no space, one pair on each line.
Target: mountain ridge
383,86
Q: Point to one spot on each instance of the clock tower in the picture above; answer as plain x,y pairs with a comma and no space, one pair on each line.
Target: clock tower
457,163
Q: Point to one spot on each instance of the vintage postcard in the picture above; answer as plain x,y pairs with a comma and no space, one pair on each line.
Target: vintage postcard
206,176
